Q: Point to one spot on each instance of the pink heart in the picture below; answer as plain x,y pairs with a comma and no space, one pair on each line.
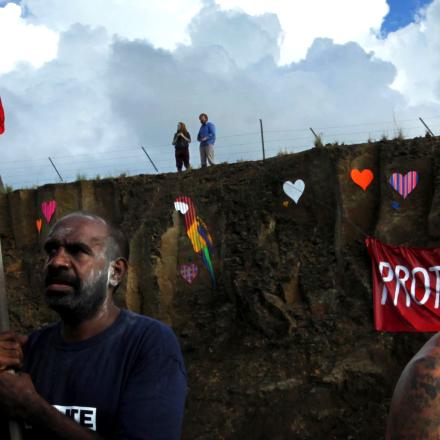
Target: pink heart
48,209
404,185
189,272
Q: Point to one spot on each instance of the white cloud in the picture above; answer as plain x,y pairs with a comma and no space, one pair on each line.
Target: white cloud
414,50
164,23
303,21
20,41
61,109
161,22
103,97
231,31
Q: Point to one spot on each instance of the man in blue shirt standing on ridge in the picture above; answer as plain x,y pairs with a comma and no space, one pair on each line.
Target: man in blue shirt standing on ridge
101,372
206,137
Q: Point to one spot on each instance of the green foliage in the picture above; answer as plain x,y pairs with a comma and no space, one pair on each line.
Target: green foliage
399,134
80,177
318,141
7,189
282,152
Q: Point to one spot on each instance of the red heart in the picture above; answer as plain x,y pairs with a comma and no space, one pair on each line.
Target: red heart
362,178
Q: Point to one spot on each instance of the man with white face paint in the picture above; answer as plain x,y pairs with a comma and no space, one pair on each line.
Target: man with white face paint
101,372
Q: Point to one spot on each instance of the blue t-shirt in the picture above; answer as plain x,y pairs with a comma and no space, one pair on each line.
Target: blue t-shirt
207,130
127,382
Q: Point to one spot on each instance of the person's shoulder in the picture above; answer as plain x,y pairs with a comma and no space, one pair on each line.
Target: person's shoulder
416,399
153,332
41,336
44,331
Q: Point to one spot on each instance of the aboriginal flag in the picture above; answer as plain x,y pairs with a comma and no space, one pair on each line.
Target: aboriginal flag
2,118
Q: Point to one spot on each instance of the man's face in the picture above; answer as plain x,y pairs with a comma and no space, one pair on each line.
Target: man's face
76,270
203,119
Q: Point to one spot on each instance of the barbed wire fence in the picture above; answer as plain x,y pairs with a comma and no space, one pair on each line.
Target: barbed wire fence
230,148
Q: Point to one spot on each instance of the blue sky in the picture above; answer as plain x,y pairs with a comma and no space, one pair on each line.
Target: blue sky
402,13
3,2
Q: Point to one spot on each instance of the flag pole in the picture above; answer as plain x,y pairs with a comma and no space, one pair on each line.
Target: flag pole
14,427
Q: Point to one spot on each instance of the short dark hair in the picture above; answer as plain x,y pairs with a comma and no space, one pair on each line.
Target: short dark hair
117,245
203,114
121,246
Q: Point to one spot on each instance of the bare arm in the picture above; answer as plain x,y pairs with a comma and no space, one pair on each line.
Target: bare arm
19,399
188,139
415,406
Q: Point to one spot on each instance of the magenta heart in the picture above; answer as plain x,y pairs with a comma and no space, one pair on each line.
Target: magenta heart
48,209
189,272
404,185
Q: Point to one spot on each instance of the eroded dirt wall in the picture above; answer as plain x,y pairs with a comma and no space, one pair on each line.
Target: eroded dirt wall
284,347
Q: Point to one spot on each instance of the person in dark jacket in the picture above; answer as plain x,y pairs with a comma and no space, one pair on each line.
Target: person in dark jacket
181,142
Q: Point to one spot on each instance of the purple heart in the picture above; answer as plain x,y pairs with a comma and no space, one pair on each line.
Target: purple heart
189,272
404,185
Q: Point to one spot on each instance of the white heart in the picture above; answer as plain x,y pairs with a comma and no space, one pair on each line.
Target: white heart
182,207
294,190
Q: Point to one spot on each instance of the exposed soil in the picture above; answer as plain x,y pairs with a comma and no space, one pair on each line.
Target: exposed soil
284,347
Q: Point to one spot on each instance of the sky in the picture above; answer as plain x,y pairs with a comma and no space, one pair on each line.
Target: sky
88,83
401,13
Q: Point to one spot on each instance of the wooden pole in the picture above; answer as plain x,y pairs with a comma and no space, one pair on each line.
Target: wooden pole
314,134
152,163
429,130
14,427
59,175
262,139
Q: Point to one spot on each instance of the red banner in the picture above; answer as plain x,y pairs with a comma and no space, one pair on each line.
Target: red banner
2,118
406,287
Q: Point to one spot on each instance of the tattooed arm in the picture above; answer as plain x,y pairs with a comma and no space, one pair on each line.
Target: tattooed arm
415,407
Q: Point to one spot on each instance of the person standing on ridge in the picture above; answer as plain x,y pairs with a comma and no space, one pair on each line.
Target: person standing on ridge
206,137
181,141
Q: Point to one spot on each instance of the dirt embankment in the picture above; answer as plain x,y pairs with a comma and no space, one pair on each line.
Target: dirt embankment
284,347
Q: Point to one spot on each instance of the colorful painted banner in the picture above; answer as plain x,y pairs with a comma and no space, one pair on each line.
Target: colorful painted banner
404,185
406,287
2,118
197,233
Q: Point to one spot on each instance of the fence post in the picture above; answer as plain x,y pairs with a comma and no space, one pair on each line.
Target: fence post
59,175
429,130
318,139
152,163
262,139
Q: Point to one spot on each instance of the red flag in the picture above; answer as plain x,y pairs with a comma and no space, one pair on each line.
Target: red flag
2,118
406,287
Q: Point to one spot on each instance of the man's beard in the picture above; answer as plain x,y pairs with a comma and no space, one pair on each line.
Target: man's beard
81,304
